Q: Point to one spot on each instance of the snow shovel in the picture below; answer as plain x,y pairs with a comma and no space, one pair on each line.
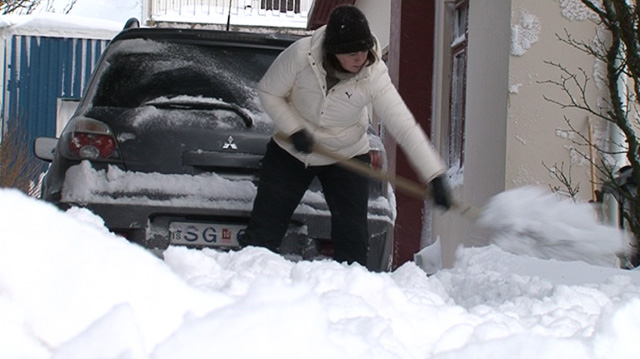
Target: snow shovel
403,184
515,218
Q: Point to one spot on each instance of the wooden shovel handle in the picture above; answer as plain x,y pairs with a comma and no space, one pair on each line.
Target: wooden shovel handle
403,184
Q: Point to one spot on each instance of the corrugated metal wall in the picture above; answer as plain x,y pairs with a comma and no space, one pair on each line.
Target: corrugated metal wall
37,71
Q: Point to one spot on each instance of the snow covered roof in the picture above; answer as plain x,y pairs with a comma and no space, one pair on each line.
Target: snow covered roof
57,25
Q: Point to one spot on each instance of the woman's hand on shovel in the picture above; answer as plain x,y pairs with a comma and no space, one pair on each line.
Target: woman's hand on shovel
302,141
440,192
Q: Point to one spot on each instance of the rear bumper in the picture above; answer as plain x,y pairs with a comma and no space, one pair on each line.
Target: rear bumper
148,225
142,206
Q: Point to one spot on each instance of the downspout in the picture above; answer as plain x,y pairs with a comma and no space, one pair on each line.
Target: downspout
616,141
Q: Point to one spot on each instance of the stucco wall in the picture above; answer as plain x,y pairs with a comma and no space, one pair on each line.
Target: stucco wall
377,13
486,105
536,132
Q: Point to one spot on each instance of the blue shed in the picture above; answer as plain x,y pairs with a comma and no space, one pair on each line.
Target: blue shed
46,58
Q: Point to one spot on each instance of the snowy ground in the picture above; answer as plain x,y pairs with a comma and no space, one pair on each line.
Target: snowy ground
70,289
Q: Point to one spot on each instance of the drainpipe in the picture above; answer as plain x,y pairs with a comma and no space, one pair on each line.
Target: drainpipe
617,147
611,204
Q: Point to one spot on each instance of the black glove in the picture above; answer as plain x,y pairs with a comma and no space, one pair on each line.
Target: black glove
302,141
441,193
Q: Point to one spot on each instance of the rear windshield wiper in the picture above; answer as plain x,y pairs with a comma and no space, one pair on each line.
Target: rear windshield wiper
187,105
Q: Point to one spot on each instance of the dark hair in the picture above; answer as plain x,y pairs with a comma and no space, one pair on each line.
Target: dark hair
332,65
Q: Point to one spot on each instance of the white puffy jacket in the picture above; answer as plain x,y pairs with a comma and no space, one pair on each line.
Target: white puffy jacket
293,92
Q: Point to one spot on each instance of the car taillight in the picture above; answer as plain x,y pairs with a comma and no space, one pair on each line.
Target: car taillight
91,139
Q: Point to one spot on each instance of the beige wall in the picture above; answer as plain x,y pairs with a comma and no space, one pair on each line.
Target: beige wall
537,130
377,12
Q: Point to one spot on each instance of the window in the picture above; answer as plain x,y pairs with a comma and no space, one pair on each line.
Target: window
281,5
455,136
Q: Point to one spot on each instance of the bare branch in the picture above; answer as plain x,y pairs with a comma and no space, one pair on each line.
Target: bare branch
619,52
566,188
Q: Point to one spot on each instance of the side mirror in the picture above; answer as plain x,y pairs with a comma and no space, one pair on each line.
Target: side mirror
44,148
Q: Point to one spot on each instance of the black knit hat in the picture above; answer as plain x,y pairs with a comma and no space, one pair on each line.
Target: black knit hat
347,31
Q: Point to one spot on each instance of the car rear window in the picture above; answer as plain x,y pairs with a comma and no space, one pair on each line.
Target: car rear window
136,72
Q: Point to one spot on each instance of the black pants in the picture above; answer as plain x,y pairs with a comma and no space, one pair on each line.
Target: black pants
283,182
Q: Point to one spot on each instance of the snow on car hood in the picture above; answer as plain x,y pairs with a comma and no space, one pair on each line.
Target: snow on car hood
84,184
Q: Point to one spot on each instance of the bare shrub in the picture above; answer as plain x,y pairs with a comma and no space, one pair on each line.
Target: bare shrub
618,50
18,167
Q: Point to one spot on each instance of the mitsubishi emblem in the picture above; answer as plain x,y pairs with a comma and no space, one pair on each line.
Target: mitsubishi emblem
229,144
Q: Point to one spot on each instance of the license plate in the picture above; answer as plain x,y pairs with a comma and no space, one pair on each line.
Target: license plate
205,234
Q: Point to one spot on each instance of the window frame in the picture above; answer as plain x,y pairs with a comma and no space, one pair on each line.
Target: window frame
458,48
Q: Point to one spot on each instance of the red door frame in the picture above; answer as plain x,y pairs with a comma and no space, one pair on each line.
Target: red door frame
411,44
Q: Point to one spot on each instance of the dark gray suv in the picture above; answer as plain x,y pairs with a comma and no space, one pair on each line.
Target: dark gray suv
166,143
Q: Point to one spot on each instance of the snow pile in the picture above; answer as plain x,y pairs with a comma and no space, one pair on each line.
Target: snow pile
525,33
575,10
530,221
71,289
55,25
85,184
